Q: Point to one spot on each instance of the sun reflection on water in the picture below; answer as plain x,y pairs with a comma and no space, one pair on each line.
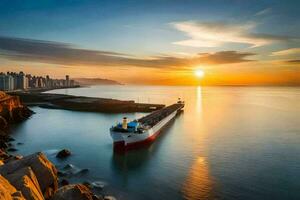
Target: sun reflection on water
199,100
198,184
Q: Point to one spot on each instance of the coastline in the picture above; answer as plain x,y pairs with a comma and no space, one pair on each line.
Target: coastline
34,177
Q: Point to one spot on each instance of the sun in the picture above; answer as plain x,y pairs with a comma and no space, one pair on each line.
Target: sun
199,73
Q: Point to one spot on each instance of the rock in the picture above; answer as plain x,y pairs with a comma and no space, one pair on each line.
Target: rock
61,174
18,196
25,180
9,192
96,197
98,185
3,145
43,169
49,193
88,184
74,192
68,167
12,149
70,170
12,158
63,153
64,182
82,171
3,155
109,198
10,139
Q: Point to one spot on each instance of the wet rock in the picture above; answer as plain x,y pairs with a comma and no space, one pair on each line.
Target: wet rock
10,139
70,170
63,153
98,185
109,198
64,182
12,149
82,171
61,174
43,169
9,192
25,180
74,192
96,197
68,167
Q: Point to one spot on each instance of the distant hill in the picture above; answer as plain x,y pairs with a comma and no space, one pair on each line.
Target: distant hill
96,81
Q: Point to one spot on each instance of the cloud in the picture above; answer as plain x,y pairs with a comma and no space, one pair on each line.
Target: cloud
263,12
215,34
292,51
39,51
225,57
293,61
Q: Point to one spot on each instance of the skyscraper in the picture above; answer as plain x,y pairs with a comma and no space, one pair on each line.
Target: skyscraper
6,82
67,80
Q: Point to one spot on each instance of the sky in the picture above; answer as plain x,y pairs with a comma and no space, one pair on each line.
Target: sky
158,42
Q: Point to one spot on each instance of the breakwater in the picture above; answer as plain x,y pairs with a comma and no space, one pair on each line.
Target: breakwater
80,103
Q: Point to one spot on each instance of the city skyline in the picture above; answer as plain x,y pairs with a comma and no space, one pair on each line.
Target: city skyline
11,81
155,42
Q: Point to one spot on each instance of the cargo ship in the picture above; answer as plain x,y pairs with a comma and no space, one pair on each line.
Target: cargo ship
143,131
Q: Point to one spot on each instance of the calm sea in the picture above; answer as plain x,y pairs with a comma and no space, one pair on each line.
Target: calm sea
229,143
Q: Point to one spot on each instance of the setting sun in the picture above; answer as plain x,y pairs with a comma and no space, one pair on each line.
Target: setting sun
199,73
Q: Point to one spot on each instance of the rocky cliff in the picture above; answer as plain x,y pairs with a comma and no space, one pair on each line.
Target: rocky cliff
11,110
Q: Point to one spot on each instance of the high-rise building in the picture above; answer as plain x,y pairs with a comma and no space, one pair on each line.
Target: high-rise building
67,81
22,81
6,82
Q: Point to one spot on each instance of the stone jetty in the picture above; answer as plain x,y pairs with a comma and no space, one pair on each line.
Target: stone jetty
81,103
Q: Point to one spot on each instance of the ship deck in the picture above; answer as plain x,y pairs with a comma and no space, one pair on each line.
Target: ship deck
158,115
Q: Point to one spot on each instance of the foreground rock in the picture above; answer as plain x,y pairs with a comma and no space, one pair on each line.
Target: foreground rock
63,153
34,177
9,192
75,192
44,171
25,180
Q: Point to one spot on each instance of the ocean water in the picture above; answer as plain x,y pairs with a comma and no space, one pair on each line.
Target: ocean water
229,143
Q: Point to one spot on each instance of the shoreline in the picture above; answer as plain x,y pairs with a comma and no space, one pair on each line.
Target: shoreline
34,176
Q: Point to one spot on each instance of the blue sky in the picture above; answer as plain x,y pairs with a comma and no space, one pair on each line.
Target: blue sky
144,29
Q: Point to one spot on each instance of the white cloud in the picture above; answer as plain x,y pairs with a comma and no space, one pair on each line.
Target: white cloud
292,51
215,34
263,12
